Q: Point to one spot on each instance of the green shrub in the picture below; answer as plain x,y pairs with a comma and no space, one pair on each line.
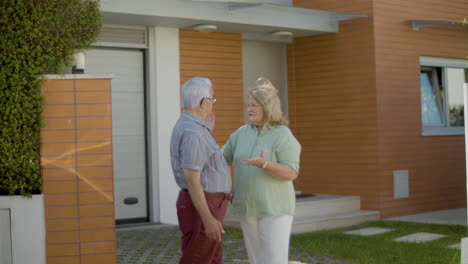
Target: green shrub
36,37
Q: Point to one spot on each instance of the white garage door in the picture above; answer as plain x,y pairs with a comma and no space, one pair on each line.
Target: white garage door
128,127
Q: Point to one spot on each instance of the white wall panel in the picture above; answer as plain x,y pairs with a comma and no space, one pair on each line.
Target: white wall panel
28,234
5,237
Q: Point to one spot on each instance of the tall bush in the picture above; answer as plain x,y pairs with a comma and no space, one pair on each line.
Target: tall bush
36,37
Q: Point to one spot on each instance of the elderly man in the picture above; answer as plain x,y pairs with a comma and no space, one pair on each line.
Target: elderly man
202,174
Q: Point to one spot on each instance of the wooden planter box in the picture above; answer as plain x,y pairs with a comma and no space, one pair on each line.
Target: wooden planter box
77,169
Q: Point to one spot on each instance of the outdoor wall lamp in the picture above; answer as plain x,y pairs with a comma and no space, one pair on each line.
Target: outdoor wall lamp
78,63
282,34
205,28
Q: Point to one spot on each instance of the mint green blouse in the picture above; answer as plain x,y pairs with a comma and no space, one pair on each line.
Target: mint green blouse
256,193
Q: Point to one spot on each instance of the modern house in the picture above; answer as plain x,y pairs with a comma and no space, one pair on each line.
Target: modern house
151,47
372,89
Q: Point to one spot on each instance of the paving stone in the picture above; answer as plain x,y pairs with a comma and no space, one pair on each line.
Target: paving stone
368,231
420,237
455,246
160,244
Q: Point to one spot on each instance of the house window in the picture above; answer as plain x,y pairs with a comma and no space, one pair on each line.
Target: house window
442,95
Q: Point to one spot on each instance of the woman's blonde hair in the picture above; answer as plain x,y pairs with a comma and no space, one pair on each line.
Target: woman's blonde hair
267,95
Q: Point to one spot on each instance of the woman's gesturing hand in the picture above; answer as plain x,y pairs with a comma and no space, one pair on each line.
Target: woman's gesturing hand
257,161
275,169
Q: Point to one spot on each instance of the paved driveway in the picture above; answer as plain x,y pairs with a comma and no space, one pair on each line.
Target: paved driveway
160,244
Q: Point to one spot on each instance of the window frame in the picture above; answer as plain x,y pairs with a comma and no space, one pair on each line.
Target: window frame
445,129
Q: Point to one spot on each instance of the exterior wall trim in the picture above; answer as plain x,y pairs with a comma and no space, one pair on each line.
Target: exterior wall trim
163,108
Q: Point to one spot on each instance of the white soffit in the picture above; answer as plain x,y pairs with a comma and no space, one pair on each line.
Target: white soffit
255,18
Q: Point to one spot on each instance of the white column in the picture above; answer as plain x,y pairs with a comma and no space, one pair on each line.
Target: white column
464,242
163,104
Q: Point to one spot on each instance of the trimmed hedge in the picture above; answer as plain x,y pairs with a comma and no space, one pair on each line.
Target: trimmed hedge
36,37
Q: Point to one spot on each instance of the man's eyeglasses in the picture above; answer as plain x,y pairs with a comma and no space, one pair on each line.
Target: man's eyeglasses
212,100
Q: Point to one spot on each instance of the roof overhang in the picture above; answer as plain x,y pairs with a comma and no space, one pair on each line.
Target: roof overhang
254,19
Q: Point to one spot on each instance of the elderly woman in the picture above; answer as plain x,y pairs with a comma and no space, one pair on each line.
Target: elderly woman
265,155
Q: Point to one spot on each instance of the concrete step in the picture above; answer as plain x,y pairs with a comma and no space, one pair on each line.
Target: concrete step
311,224
315,223
325,204
231,220
322,212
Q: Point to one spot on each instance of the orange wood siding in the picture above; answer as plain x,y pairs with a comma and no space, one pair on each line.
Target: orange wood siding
436,164
356,95
217,56
332,90
76,159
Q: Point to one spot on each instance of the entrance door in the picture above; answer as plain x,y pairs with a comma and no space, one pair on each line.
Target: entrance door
265,59
128,128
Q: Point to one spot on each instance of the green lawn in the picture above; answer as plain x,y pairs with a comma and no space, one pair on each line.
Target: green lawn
381,249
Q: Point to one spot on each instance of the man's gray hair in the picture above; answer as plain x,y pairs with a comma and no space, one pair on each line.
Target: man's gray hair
194,90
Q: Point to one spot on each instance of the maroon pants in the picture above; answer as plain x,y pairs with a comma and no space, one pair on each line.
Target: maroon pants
197,248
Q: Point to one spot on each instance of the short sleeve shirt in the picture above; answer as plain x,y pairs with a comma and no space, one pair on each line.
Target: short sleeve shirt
256,193
193,147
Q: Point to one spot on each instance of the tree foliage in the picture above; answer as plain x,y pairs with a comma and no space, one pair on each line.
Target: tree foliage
36,37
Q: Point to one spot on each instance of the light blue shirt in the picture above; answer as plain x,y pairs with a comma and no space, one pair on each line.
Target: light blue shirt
257,193
193,147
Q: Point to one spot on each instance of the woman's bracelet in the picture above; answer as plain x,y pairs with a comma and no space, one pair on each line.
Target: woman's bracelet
265,164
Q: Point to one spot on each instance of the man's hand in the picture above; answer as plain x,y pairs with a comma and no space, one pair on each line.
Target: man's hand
210,120
213,228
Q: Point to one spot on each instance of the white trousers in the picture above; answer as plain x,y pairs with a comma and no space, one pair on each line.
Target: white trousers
267,238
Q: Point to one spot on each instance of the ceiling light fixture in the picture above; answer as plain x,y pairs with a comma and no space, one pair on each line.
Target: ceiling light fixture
282,34
205,28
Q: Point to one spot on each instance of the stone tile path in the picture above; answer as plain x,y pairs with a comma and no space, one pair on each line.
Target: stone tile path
421,237
160,244
455,246
368,231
